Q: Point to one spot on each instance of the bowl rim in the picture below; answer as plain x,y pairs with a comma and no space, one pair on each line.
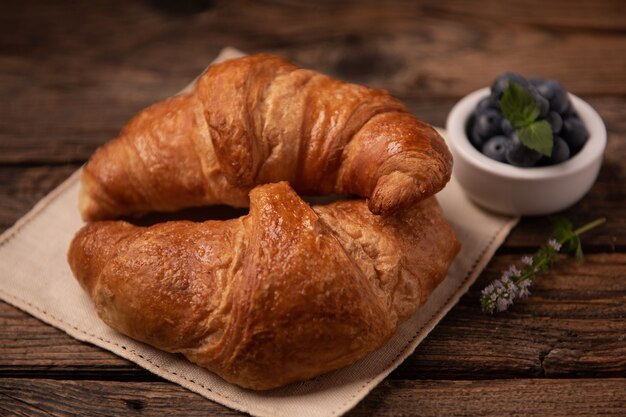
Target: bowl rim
591,151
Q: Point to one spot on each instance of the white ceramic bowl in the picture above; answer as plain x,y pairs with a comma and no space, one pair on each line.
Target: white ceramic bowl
526,191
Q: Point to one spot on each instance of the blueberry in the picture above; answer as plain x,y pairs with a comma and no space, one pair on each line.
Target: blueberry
575,133
521,156
506,127
502,82
471,131
536,81
570,112
488,123
560,103
547,88
556,95
544,106
496,148
560,151
477,140
542,102
470,123
487,103
555,120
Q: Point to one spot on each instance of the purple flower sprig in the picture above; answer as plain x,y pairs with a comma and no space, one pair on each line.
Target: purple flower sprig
516,281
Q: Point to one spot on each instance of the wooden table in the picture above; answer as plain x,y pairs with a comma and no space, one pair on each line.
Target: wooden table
71,74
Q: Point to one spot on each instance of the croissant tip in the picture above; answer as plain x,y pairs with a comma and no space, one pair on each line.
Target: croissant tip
375,207
89,210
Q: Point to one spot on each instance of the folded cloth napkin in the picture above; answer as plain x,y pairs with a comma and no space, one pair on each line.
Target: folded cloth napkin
35,277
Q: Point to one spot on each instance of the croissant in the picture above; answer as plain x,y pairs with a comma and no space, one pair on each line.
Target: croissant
282,294
260,119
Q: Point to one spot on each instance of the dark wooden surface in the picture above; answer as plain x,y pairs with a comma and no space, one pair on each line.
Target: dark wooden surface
71,73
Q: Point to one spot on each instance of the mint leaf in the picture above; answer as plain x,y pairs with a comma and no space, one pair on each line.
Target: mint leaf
579,250
521,109
564,233
518,106
537,136
562,229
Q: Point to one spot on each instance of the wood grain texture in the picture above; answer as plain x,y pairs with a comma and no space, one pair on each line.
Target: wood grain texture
104,63
521,397
46,397
572,320
30,347
72,73
527,397
22,186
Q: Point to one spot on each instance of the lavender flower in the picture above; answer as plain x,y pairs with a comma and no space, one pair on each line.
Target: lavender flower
554,244
523,287
499,295
527,260
515,282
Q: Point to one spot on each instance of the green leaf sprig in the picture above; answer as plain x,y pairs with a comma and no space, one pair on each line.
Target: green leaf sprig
519,108
515,282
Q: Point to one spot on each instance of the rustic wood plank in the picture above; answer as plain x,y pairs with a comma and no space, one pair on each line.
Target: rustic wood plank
571,325
44,397
73,74
31,347
571,322
523,397
21,187
601,15
528,397
73,89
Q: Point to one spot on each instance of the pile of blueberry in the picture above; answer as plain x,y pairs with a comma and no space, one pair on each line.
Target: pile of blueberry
492,134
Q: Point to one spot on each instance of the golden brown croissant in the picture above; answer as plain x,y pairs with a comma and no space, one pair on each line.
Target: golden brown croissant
282,294
260,119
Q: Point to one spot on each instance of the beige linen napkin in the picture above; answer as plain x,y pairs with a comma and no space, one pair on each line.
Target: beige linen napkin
35,277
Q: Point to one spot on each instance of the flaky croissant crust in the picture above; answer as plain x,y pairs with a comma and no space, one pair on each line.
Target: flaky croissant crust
257,120
282,294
